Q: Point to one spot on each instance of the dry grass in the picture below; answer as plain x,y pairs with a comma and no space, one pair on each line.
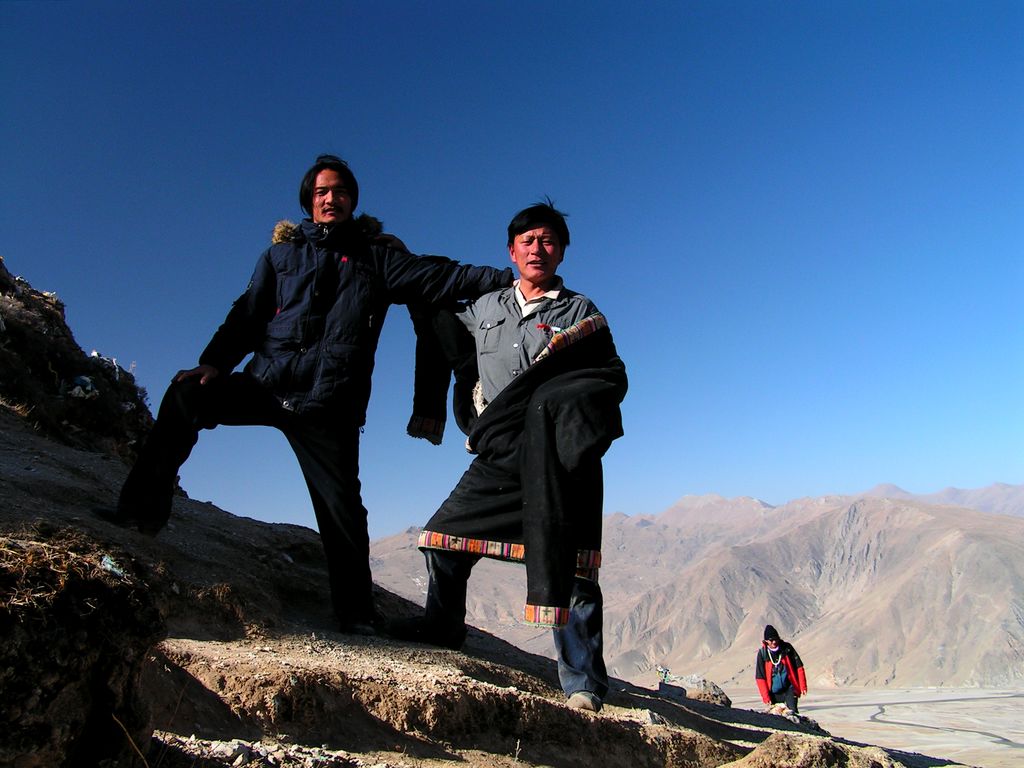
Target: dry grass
224,599
33,573
18,409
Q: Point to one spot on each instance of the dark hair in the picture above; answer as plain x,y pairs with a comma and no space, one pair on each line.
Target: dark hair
540,215
327,162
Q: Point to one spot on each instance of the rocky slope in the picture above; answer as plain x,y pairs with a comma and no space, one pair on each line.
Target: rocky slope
213,644
873,592
249,667
84,400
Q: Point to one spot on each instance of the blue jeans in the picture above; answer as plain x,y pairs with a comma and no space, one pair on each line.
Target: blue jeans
578,645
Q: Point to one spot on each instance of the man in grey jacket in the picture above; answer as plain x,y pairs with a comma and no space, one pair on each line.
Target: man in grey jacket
547,409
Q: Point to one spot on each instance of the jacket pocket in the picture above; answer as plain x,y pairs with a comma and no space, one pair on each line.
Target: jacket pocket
342,374
488,335
273,365
294,286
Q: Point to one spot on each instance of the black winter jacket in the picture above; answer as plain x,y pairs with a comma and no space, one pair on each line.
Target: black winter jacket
579,388
314,309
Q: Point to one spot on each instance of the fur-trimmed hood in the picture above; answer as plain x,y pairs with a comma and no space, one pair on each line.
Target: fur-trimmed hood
286,231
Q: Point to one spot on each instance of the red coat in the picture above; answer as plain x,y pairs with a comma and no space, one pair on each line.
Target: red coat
763,667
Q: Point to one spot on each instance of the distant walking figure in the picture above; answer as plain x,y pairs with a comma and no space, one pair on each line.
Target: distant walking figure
778,671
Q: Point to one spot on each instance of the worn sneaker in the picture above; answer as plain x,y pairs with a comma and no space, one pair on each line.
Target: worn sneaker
419,630
584,700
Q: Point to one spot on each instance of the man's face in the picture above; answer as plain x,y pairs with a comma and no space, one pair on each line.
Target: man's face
332,202
537,254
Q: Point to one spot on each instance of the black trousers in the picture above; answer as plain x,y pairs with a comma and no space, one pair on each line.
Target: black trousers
787,695
326,446
553,512
579,645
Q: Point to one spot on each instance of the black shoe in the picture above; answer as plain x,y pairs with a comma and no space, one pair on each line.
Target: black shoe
125,519
364,624
420,630
362,628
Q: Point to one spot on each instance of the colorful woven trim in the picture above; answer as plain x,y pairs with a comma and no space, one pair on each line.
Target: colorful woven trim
587,560
427,428
572,334
545,615
497,549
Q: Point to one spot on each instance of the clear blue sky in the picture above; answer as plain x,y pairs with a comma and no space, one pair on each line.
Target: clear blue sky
803,219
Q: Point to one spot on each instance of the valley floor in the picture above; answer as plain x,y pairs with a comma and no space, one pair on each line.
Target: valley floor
971,726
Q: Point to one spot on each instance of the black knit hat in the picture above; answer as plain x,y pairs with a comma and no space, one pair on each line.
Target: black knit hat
770,633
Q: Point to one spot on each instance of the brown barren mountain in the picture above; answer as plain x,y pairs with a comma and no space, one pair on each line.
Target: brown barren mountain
213,644
873,591
998,498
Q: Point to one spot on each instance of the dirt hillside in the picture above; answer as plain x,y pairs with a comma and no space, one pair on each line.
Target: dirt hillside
251,665
213,644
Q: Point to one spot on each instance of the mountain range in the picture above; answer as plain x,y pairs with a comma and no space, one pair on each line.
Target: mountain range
1000,498
882,588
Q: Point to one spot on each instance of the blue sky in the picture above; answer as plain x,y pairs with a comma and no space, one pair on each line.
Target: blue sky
803,220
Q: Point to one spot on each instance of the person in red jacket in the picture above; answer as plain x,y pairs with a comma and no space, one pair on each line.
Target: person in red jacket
779,672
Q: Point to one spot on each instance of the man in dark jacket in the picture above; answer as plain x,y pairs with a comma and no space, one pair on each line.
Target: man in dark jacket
311,316
779,672
548,408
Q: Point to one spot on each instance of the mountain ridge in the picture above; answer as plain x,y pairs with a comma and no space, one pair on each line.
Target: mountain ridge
998,497
693,594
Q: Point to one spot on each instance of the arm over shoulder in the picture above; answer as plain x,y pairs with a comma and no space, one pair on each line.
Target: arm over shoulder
434,279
